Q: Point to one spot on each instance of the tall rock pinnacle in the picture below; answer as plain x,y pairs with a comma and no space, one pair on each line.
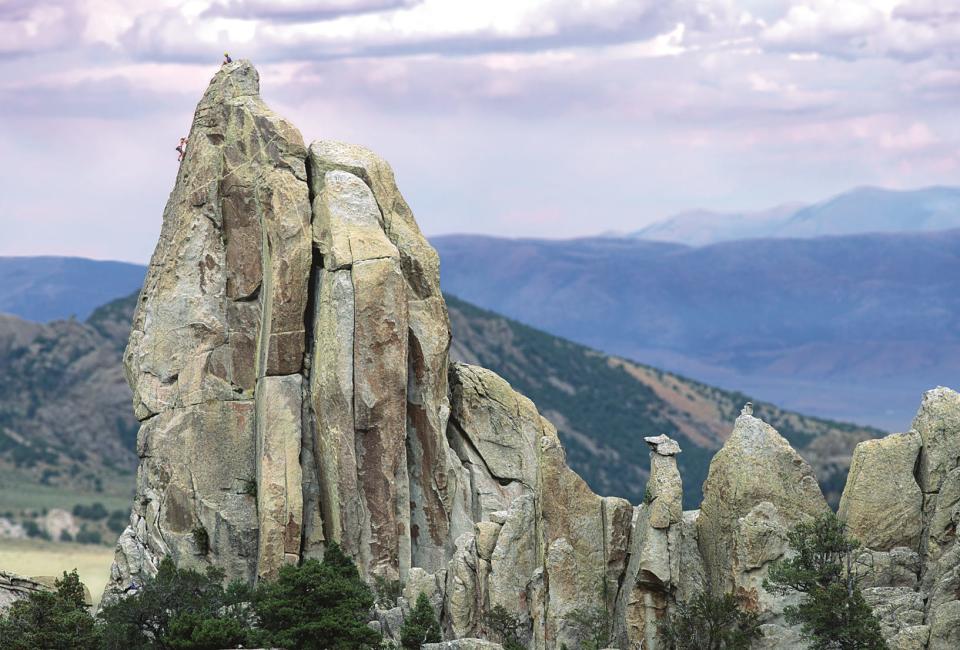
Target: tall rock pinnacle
290,370
289,366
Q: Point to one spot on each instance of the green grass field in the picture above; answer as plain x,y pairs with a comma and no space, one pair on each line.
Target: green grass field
35,557
32,557
20,493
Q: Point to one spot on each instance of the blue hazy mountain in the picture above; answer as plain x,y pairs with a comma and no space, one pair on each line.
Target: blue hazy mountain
47,288
859,211
852,327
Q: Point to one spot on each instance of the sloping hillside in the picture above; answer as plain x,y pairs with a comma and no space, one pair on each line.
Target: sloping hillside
66,419
65,414
603,407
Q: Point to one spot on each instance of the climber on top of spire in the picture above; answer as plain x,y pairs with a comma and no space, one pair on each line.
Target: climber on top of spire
226,59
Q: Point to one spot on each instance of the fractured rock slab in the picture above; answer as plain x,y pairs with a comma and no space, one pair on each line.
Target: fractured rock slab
882,503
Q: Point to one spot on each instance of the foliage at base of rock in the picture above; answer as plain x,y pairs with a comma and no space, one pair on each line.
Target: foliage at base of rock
312,606
710,623
504,627
56,620
180,609
318,605
421,625
833,611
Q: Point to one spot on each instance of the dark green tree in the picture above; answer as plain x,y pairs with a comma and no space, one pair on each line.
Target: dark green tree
710,623
317,606
421,626
833,612
56,620
505,627
179,609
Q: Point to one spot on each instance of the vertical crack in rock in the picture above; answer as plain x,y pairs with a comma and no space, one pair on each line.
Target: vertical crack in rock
312,543
279,475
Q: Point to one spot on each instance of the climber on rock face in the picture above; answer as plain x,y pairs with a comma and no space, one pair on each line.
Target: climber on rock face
181,149
226,59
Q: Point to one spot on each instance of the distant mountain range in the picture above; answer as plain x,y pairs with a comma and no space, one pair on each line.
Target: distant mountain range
850,327
859,211
66,417
47,288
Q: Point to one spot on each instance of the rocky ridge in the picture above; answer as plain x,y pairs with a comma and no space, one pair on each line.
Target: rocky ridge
289,363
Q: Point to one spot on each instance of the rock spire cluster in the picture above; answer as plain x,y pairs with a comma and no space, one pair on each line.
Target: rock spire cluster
289,363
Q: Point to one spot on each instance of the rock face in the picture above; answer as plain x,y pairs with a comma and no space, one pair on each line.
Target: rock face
902,500
14,587
289,362
758,487
664,563
882,503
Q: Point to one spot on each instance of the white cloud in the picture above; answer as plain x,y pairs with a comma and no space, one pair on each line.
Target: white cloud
30,27
917,136
699,101
906,30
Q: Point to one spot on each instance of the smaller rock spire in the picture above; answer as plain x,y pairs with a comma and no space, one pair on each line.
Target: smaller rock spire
663,445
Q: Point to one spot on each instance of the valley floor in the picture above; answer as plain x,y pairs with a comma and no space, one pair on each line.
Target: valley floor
32,557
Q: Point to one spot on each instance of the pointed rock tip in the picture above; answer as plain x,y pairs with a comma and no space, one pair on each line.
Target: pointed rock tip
749,431
940,392
237,79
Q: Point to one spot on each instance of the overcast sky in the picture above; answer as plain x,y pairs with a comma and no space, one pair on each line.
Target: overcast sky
552,118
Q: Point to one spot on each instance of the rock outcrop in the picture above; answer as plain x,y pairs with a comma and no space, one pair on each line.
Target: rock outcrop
757,488
13,587
882,504
902,501
289,362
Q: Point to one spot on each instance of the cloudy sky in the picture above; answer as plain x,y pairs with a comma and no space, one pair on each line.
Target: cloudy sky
550,118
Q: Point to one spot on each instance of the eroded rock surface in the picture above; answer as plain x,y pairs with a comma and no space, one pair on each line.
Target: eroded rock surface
757,488
13,587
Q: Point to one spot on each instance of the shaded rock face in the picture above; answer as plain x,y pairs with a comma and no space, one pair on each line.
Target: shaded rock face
289,362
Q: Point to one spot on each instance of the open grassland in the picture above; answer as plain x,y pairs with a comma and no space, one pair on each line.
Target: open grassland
19,492
32,557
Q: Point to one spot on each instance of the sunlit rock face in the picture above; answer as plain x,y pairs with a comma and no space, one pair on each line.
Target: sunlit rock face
289,362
